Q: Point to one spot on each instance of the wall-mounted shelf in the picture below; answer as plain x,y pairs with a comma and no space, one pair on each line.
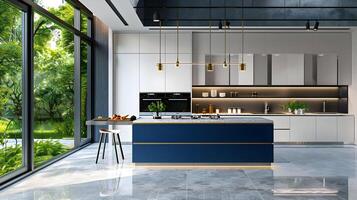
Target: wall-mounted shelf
253,98
262,98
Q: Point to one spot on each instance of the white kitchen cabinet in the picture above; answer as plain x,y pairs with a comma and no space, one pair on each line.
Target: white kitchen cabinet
149,43
178,79
327,69
346,129
326,129
185,43
281,136
238,77
151,80
126,84
288,69
126,43
280,122
303,129
126,89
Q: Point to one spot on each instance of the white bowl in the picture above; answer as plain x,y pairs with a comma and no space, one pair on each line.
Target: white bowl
222,94
205,94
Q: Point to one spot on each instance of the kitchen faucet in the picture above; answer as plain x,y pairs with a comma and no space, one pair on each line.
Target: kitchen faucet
266,108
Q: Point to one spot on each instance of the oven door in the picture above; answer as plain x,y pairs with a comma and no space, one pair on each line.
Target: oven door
147,98
178,102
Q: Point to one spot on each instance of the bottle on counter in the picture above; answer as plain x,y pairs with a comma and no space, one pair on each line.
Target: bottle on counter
210,108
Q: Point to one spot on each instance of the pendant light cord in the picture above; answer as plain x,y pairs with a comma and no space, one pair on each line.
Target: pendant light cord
225,42
160,44
210,41
242,33
210,34
177,41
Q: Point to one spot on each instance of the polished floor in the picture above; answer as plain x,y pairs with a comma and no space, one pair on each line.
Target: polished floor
299,172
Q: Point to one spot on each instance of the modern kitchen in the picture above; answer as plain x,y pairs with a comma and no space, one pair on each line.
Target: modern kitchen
214,100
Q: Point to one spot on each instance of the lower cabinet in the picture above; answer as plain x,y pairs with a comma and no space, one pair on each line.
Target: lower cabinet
326,129
281,136
346,129
303,129
314,129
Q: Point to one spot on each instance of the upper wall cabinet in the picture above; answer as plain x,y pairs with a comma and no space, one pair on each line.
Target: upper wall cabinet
238,77
327,69
126,43
220,75
150,43
185,43
178,79
151,80
288,69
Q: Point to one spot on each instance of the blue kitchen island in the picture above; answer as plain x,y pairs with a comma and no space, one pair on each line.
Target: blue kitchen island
224,140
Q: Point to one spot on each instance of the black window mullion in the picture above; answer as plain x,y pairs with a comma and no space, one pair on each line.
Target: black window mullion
77,80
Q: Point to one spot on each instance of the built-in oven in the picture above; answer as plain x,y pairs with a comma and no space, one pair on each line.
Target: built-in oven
175,102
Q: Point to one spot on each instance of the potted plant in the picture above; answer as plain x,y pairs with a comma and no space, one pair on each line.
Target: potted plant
156,108
297,108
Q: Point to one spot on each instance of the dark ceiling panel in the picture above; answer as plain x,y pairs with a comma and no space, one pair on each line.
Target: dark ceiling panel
256,12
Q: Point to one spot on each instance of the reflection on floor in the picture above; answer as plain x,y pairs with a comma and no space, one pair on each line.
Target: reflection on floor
299,173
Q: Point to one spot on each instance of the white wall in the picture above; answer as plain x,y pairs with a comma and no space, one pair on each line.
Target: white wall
275,43
353,87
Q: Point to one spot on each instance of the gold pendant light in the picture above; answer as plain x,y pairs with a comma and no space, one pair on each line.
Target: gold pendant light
210,67
243,66
177,45
159,65
225,65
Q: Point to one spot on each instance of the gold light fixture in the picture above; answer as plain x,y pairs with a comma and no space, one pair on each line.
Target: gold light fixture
210,67
159,65
242,65
177,45
225,65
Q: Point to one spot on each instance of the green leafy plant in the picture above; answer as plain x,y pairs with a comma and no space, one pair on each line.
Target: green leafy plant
157,106
295,105
11,157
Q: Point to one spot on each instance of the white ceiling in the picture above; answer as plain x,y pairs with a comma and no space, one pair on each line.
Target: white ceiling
102,10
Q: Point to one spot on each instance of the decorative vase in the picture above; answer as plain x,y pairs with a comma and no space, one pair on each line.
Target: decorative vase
156,115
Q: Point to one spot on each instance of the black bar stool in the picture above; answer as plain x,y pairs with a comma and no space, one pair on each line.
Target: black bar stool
104,136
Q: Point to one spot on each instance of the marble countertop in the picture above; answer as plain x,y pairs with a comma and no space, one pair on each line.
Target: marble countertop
245,120
284,114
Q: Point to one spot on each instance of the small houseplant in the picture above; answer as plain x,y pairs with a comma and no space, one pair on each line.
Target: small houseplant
295,107
156,108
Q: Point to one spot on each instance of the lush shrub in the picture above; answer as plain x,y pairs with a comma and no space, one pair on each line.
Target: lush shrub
11,157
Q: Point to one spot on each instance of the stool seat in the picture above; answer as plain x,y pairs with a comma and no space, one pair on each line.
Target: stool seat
104,135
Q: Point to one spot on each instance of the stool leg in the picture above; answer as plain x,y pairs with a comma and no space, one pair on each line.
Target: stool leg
105,144
115,147
121,148
100,143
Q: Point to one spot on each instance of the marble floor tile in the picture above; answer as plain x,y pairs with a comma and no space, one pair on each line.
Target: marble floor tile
297,168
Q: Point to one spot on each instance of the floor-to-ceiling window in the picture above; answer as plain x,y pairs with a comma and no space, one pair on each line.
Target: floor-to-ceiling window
44,101
11,89
53,89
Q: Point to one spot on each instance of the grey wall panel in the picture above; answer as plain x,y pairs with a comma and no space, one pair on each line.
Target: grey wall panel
310,69
260,69
100,75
